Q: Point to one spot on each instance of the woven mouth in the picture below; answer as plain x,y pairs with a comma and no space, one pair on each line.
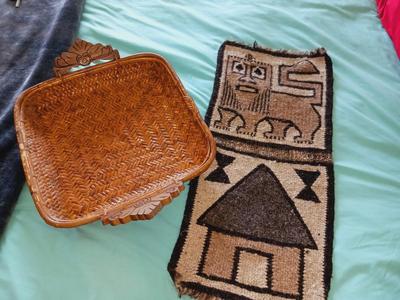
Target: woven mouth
246,88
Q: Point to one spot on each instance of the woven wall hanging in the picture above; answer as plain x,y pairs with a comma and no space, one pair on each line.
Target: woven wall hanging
259,223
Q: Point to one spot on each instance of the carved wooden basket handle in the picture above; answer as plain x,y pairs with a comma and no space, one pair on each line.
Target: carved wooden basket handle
144,209
82,53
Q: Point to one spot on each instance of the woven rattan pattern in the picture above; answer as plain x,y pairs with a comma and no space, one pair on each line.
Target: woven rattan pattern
97,140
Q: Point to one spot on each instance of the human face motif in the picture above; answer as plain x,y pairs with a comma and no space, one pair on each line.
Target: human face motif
247,77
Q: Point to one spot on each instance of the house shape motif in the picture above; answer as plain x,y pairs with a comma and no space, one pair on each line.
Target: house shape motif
256,238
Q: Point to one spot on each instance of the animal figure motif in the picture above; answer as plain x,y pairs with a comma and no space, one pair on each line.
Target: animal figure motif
247,93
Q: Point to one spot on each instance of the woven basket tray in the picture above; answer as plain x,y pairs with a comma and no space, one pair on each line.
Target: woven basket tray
114,141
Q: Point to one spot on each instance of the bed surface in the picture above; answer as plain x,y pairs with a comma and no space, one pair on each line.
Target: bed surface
130,261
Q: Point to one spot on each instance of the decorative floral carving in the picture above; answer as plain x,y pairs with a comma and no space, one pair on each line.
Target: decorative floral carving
144,209
84,59
82,53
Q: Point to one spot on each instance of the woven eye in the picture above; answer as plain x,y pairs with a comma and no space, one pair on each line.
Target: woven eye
238,67
258,72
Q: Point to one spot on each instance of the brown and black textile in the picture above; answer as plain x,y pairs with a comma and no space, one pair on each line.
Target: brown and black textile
259,223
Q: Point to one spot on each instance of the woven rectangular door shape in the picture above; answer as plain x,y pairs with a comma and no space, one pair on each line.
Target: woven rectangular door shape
259,223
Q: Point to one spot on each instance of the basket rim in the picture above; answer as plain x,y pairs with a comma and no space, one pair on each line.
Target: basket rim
101,212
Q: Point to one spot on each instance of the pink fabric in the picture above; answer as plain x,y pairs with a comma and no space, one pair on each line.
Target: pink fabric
389,12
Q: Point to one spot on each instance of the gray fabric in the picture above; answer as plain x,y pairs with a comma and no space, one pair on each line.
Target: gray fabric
31,36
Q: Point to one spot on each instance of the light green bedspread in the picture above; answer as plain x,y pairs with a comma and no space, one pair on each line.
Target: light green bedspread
129,262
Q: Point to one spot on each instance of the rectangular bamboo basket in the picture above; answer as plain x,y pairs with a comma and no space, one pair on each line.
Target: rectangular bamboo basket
114,141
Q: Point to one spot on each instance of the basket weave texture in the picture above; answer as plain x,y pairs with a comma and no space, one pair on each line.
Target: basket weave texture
111,142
